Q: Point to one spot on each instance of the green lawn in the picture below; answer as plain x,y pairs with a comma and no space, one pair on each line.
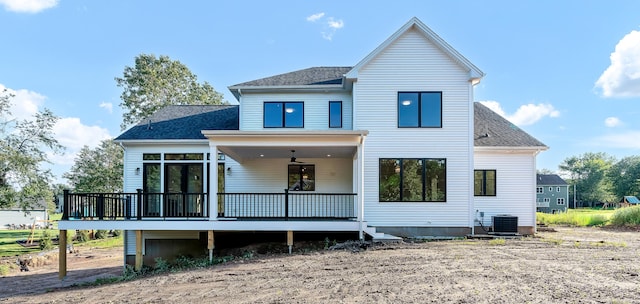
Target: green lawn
577,217
9,247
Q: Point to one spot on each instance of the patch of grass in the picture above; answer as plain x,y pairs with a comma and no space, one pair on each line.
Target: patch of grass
576,217
629,216
4,270
497,242
9,247
608,244
553,241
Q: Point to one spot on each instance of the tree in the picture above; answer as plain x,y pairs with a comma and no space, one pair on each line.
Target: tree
545,171
589,173
23,151
625,176
153,83
97,170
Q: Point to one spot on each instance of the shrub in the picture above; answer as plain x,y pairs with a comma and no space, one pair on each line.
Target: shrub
161,265
45,241
82,236
626,216
101,234
116,233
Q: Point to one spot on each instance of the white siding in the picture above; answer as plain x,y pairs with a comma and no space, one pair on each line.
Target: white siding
412,63
515,186
316,109
333,175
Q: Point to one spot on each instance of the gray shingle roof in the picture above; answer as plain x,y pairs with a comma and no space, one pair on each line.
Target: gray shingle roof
492,130
549,180
184,122
187,122
310,76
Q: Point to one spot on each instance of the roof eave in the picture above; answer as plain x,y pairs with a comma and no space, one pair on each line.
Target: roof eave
238,90
125,142
511,148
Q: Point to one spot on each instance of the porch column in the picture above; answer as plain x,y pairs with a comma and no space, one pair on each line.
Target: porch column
138,264
211,245
62,254
360,185
213,182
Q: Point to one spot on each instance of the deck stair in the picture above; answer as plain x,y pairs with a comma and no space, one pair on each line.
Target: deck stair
380,236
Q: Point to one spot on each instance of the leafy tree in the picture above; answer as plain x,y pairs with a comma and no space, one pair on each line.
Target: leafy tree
589,172
153,83
546,171
97,170
625,176
23,151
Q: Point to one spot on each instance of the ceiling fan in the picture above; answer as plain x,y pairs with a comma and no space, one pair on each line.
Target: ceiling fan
293,158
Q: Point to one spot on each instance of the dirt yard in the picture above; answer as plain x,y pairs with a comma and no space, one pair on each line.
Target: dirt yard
583,265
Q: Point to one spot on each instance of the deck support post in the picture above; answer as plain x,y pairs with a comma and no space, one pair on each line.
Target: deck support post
62,254
290,240
138,265
211,245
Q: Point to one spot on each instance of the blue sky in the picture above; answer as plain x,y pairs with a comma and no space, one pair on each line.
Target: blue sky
567,72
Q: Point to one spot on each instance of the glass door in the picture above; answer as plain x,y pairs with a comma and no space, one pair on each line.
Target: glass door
183,187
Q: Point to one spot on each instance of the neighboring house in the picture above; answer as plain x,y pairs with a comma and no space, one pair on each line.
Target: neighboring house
393,146
628,201
552,193
16,218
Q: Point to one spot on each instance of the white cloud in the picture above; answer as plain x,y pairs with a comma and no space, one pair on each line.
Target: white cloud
329,25
28,6
526,114
627,140
335,24
315,17
612,122
71,133
622,77
107,106
24,103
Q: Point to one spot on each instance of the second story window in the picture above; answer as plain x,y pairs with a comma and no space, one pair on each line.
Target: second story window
420,109
335,114
283,115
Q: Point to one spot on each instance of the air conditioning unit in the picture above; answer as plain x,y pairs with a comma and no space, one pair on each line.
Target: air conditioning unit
505,224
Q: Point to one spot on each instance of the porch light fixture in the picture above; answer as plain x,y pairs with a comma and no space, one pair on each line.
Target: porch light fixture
138,171
228,170
328,155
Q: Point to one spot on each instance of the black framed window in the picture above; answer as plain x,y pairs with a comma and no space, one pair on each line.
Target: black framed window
302,178
484,182
420,109
413,180
335,114
283,115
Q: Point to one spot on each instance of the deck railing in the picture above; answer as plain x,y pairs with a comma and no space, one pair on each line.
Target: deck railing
287,205
195,206
138,205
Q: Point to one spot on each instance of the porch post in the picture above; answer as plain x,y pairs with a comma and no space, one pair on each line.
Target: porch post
290,240
62,254
213,181
360,185
138,265
211,245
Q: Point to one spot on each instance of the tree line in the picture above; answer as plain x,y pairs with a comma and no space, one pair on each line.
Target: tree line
26,145
601,178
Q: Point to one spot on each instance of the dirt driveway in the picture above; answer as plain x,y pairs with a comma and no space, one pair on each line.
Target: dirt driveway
583,265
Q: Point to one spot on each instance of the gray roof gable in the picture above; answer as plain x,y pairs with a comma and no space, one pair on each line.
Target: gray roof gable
183,122
550,180
309,76
493,130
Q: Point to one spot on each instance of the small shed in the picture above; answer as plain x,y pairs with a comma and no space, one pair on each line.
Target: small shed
629,200
16,218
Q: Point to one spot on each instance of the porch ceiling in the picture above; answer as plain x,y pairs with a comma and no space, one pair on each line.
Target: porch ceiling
240,153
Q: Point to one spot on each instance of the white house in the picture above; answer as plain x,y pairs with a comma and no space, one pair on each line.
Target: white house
393,146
